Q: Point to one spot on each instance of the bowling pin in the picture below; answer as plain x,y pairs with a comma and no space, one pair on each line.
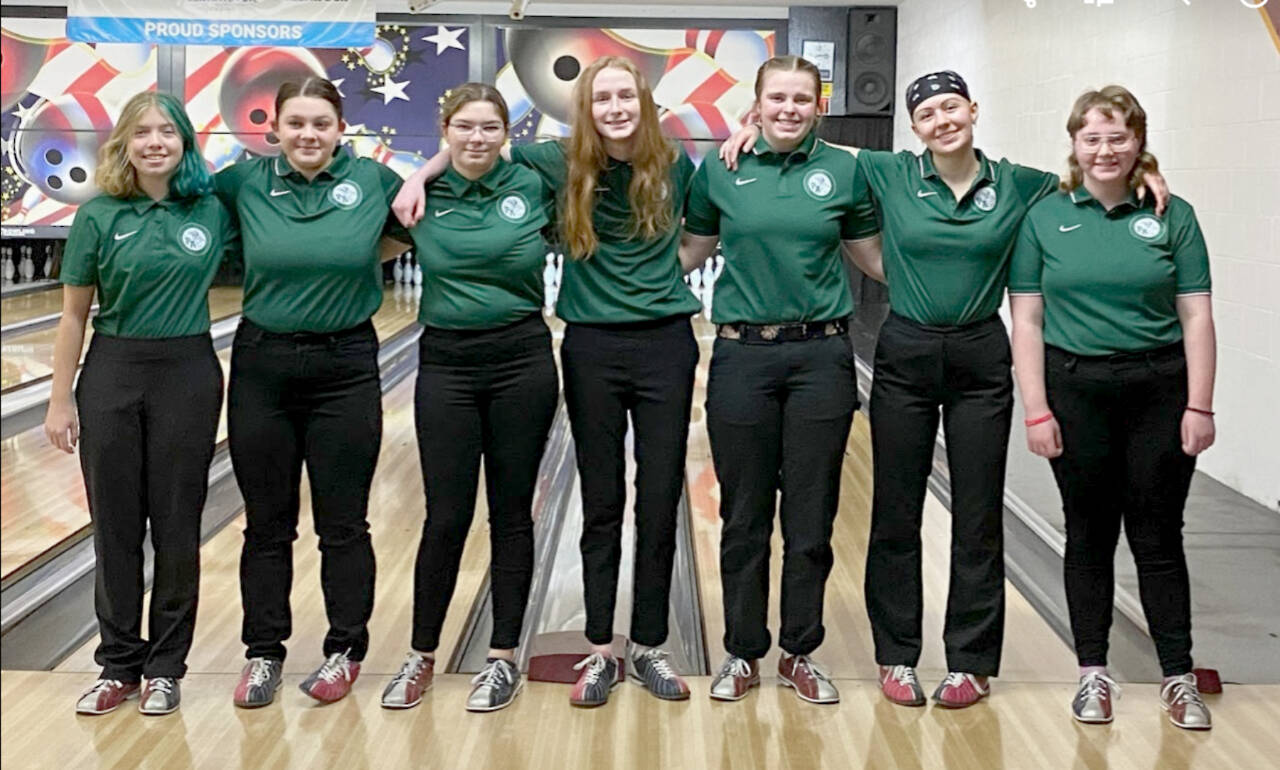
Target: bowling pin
28,266
48,259
9,268
417,275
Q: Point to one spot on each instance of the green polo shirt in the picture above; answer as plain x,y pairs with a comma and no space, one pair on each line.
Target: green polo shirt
627,279
151,261
1109,278
481,248
311,259
780,218
946,261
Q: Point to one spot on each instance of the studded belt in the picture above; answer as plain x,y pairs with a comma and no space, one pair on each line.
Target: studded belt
776,333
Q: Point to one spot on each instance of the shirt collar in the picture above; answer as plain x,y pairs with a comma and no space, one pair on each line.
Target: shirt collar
144,203
341,159
1080,197
802,151
986,169
460,185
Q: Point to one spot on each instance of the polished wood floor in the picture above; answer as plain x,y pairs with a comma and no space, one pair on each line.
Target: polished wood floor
42,498
30,305
1025,724
27,357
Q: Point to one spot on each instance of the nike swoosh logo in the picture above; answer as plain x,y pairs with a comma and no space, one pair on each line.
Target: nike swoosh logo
741,182
925,194
1063,229
602,189
442,213
278,193
122,236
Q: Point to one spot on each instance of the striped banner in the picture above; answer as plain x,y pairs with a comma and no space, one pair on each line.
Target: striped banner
329,24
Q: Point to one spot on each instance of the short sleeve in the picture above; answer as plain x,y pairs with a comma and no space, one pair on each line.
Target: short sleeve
389,180
1027,261
875,165
701,216
547,159
227,183
80,255
1190,254
860,220
1033,184
231,249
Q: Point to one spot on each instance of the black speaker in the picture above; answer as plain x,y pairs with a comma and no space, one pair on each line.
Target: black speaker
872,59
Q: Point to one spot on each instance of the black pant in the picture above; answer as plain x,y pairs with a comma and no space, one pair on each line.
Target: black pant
964,371
148,420
313,398
645,370
490,393
1122,459
778,416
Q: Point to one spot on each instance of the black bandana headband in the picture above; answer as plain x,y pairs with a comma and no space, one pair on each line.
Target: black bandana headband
926,86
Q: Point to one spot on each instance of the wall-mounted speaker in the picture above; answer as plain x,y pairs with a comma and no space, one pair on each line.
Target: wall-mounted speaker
872,55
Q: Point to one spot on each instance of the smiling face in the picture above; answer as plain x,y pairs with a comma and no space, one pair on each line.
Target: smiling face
1105,148
788,105
615,105
476,133
945,123
308,128
155,149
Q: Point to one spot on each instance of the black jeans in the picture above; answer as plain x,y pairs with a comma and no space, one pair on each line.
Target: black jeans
313,399
644,370
964,371
489,393
778,416
148,420
1122,460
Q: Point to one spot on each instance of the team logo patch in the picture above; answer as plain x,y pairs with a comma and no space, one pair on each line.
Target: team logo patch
513,207
346,194
1146,228
985,198
819,184
194,238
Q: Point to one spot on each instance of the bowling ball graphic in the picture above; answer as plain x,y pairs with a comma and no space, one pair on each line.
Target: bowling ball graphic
247,94
548,62
20,60
56,145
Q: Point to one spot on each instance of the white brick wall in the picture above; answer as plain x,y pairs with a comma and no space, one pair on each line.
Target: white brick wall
1208,75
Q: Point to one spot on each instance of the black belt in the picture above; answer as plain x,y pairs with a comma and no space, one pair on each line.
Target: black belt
776,333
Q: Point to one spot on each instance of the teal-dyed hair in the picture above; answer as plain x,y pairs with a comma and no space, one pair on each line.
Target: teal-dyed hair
115,175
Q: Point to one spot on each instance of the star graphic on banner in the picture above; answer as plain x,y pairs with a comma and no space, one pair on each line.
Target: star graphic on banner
445,39
337,83
391,90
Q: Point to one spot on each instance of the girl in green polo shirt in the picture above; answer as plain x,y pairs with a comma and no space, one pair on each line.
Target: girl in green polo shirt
487,386
304,381
628,351
149,392
782,388
1113,344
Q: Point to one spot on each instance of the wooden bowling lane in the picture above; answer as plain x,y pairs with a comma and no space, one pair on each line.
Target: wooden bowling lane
1032,651
30,305
42,490
28,357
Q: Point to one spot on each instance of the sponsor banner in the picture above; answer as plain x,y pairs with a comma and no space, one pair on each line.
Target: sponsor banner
309,23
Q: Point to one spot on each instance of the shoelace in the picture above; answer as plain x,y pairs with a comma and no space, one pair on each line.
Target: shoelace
1097,685
493,675
334,666
904,675
594,665
103,684
161,684
814,668
658,659
1182,690
413,664
735,666
260,673
954,679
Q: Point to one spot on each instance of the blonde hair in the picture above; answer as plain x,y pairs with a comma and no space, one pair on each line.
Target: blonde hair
465,94
650,195
789,64
117,177
1110,101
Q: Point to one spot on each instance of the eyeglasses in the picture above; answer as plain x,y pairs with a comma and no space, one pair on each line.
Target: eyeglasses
487,130
1094,142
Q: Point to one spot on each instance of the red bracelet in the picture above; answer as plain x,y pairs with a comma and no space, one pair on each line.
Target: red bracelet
1205,412
1041,419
